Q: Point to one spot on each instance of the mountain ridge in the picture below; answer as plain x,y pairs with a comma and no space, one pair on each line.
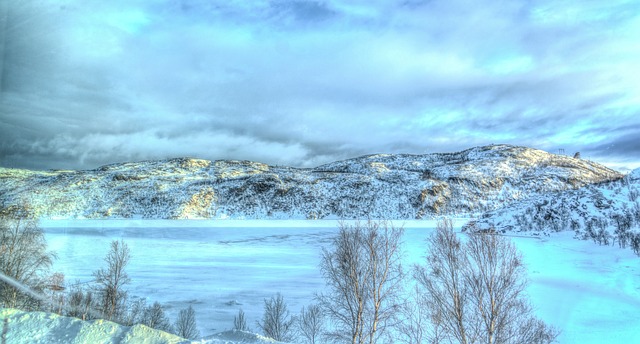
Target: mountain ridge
392,186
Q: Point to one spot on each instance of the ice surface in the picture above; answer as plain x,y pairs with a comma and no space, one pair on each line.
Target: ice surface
591,293
216,270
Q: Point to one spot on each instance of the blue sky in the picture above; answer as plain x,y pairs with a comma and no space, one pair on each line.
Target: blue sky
301,83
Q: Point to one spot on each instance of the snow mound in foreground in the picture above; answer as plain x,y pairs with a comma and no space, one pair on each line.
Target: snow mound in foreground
234,336
47,328
39,327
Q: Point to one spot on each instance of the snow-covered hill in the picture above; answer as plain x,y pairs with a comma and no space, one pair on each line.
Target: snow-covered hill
375,186
20,327
607,213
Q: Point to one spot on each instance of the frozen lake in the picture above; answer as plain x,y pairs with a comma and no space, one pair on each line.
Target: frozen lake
591,293
216,270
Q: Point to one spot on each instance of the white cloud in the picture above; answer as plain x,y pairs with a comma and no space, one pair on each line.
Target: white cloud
308,82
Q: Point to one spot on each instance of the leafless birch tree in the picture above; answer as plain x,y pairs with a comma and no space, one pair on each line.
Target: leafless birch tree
415,325
311,324
24,260
185,325
81,303
364,276
112,280
475,290
443,282
155,317
276,321
240,322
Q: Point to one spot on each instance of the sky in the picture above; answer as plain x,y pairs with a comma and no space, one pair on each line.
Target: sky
300,83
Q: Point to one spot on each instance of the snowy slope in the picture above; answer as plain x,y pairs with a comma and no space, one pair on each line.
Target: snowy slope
634,176
375,186
47,328
607,213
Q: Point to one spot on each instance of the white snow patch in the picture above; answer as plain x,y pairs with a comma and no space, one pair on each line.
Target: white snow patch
38,327
20,327
235,336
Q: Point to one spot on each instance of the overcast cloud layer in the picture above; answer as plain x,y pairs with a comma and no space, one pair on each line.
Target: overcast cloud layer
300,83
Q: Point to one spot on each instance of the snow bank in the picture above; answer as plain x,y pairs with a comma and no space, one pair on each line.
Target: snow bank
234,336
47,328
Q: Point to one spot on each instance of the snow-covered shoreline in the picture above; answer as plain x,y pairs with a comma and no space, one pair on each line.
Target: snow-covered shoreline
153,223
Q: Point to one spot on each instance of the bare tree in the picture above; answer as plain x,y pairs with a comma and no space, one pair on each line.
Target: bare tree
276,321
497,280
414,329
135,312
476,290
24,260
240,322
311,323
81,303
343,269
112,280
443,281
185,325
383,248
364,276
55,288
155,317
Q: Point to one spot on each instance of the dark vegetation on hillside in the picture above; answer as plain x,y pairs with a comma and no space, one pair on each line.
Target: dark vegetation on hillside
608,213
379,186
